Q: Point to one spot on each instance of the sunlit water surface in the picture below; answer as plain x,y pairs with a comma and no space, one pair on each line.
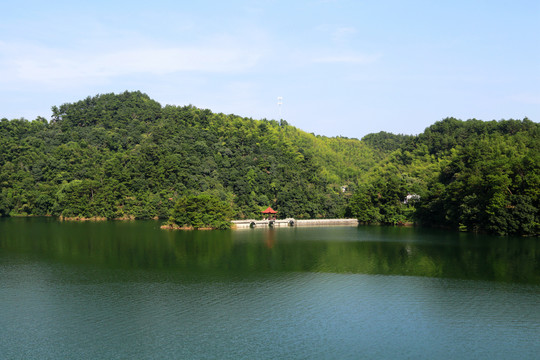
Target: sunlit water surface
117,290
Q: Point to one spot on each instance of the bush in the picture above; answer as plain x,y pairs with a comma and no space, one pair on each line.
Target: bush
201,211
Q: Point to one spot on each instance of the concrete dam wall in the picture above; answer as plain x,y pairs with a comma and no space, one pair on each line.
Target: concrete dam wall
244,224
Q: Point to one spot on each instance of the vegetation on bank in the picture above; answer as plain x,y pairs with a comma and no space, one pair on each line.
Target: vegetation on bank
126,156
467,175
199,212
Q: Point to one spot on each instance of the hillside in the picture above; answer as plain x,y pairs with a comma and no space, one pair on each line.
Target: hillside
127,156
467,175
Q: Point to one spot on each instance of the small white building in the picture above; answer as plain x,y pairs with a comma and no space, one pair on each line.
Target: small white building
411,197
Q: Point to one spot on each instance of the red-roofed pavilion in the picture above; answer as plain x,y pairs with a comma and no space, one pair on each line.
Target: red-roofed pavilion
271,213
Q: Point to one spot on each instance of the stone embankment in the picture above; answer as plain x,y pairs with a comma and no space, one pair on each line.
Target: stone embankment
327,222
244,224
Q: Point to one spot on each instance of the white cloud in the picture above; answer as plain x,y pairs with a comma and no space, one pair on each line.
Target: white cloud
48,65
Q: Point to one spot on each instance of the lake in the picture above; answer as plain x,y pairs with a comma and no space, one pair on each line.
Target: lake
119,290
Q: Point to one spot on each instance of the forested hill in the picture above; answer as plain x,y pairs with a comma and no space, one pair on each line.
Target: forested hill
467,175
126,156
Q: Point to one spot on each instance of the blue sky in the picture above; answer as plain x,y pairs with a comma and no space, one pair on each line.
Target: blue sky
343,67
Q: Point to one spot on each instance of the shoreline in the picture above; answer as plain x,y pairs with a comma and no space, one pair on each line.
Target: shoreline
185,228
235,224
236,227
97,218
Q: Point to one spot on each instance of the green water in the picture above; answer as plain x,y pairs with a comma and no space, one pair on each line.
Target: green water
116,290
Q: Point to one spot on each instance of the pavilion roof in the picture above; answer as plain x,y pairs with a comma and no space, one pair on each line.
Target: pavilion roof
269,210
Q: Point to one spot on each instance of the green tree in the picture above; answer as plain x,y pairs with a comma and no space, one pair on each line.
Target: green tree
201,211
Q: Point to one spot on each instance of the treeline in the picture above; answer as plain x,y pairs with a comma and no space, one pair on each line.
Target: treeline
467,175
126,156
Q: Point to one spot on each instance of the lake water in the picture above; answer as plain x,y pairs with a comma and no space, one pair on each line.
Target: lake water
129,290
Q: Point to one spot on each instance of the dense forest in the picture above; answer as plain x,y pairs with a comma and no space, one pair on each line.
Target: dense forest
126,156
467,175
